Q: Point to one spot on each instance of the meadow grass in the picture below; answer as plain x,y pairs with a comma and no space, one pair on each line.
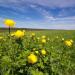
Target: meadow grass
59,58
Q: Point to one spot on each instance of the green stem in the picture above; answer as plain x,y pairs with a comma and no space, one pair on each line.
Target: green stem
9,29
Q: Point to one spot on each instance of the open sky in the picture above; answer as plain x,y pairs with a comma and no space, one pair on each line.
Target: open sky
48,14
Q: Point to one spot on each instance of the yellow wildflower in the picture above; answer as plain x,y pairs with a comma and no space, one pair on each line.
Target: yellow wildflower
68,43
43,52
24,31
62,39
1,37
38,38
32,34
19,34
32,58
34,49
43,37
43,40
9,22
36,52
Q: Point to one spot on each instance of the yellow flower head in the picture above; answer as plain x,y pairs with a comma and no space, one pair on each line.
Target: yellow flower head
19,34
32,34
43,40
68,43
43,52
36,52
62,39
9,22
34,49
1,37
32,58
43,37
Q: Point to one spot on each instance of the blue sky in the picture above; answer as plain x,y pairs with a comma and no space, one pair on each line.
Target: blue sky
47,14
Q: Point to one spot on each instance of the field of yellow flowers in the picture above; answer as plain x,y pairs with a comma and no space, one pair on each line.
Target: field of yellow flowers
45,52
39,52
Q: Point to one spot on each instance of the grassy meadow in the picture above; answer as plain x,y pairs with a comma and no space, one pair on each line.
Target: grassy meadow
37,52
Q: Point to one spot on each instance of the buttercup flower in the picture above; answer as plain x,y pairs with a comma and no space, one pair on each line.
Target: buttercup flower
43,52
43,37
62,39
34,49
9,22
32,58
32,34
43,40
19,34
1,37
36,52
68,43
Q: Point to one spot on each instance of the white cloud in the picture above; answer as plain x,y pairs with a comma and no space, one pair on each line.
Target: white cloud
49,3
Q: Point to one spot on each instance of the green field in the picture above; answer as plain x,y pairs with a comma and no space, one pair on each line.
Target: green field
58,60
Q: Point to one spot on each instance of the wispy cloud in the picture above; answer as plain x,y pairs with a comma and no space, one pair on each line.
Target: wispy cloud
50,3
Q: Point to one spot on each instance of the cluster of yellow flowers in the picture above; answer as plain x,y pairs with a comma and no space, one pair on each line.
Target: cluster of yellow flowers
43,39
69,43
32,58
